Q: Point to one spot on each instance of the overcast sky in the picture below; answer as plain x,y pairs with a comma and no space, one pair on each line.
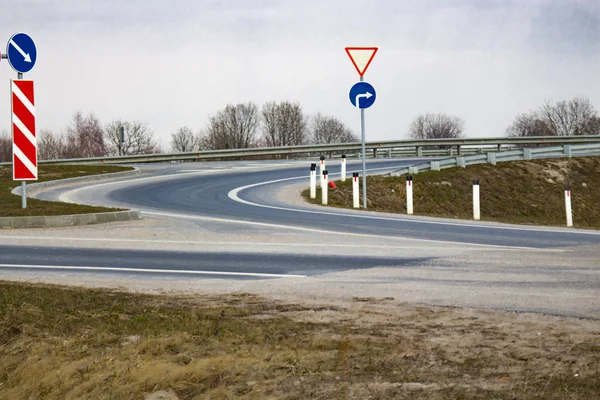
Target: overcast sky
173,63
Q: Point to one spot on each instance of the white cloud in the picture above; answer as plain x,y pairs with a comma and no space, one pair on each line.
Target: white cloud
173,63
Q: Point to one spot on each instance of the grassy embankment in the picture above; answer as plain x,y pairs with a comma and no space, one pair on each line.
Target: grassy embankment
71,343
10,205
523,192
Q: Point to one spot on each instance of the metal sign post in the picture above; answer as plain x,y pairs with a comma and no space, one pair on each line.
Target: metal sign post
364,152
362,95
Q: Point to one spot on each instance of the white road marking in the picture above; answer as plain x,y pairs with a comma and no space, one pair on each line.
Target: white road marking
234,195
222,243
162,271
322,231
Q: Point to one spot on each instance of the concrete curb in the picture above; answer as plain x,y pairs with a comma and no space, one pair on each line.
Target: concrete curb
34,188
56,221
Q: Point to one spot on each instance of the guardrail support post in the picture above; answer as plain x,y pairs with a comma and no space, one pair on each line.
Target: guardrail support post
450,151
355,194
409,195
568,150
527,154
389,153
313,181
499,147
343,168
413,170
419,151
491,158
374,153
324,189
461,162
435,165
568,209
321,169
458,150
476,201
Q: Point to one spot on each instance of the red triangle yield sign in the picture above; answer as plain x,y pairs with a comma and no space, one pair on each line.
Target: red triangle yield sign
361,57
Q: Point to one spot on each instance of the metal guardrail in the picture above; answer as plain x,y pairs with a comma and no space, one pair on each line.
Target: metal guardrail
566,150
412,147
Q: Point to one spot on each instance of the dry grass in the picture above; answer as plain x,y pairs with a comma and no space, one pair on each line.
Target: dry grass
71,343
10,205
524,192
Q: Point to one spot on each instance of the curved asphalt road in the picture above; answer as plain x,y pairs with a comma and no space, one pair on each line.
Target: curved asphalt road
244,222
211,196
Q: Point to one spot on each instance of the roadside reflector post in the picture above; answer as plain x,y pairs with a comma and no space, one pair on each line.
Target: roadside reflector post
409,195
324,189
355,194
476,201
313,181
343,168
321,169
568,206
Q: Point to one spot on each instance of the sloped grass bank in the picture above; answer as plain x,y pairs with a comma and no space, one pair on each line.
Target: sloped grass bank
523,192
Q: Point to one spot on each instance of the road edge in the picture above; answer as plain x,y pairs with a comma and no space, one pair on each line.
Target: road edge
59,221
35,188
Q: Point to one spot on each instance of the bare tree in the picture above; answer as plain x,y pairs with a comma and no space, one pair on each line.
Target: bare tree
327,130
284,124
138,138
564,118
85,137
529,124
184,140
5,147
436,126
234,127
50,146
567,118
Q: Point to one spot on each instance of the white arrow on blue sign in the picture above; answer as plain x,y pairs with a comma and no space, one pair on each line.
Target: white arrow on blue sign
21,52
362,95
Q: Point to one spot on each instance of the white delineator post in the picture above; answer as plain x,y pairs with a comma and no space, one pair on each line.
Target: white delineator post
343,168
355,194
409,195
321,169
324,189
313,181
568,208
476,201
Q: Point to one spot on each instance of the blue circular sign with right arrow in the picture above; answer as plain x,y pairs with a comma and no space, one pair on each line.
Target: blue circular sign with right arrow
21,52
362,95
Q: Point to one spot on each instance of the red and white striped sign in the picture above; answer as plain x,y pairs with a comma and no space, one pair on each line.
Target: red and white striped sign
23,129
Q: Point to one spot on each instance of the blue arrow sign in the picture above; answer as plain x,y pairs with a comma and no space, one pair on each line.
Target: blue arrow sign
362,95
21,52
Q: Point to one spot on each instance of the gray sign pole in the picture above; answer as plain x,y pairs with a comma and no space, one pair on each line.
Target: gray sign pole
364,153
23,183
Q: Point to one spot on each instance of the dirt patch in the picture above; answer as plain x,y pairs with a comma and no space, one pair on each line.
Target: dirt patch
58,343
524,192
